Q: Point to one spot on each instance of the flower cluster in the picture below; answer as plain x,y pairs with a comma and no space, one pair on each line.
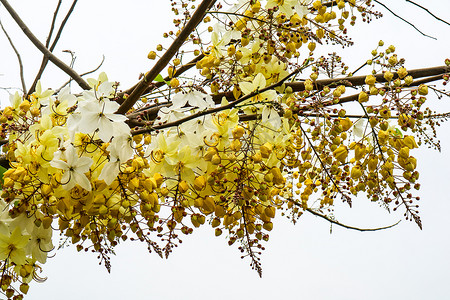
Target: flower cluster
248,141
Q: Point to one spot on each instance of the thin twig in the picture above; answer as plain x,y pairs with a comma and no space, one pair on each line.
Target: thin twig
82,74
343,225
60,64
22,79
55,41
52,26
215,109
425,9
196,18
407,22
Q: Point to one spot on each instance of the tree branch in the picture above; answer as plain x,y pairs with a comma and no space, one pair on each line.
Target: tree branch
156,85
429,12
82,74
60,64
351,81
407,22
215,109
55,41
22,79
343,225
164,60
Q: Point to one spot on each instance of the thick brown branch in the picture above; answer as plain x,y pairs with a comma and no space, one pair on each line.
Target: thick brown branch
142,86
150,113
156,85
60,64
351,81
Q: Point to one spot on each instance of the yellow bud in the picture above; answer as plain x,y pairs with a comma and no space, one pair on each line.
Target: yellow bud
215,160
373,163
200,183
158,178
165,191
423,89
238,132
388,75
235,145
24,287
409,142
231,50
208,205
393,60
183,186
409,80
25,105
370,80
402,72
270,212
174,82
356,173
341,153
238,55
268,226
345,123
363,97
404,152
311,46
265,150
151,55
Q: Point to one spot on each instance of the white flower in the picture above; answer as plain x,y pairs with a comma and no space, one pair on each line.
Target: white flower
98,116
194,99
271,116
120,151
40,243
258,82
74,169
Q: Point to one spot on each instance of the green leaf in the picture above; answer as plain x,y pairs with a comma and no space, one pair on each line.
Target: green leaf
159,78
2,170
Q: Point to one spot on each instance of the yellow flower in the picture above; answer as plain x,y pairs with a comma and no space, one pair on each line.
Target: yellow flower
341,153
12,246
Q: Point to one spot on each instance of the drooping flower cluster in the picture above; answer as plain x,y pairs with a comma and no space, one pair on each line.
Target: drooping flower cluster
230,150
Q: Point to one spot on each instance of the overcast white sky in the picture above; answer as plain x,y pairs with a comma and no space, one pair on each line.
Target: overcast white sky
303,261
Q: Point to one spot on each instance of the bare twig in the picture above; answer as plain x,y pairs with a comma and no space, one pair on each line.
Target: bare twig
22,79
164,60
343,225
429,12
60,64
407,22
82,74
45,59
52,26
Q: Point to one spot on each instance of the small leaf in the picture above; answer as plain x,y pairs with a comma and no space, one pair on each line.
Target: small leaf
2,170
159,78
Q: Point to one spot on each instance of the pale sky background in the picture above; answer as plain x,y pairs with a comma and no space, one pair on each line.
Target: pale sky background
303,261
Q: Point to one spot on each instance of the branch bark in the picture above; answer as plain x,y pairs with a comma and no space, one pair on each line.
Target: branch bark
164,60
